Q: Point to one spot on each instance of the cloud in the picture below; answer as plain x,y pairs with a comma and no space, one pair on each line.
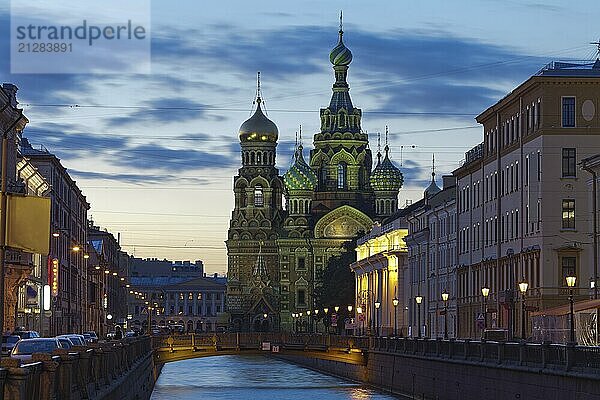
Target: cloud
162,110
119,151
142,178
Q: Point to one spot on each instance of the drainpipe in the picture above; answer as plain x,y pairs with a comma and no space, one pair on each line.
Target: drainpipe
585,167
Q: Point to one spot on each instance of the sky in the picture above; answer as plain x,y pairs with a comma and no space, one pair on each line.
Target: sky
155,153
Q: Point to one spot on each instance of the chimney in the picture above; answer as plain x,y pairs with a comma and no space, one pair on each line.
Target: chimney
448,181
11,91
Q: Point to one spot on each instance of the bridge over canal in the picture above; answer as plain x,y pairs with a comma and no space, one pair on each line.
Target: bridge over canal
421,368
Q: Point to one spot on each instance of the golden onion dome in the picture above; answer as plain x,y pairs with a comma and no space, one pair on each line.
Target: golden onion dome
258,128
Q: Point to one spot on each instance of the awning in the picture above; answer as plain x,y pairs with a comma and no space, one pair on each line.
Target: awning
565,309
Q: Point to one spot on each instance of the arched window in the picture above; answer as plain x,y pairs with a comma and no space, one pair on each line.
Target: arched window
258,158
323,177
252,158
341,176
258,196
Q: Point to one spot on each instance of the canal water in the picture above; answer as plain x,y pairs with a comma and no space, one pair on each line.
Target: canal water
252,378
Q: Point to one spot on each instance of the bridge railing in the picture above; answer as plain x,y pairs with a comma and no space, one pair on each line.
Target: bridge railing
224,341
78,373
542,355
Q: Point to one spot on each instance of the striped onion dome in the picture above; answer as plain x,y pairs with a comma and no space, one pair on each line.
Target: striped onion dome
340,55
300,176
386,177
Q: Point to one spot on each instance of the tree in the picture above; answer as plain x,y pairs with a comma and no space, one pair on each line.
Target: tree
335,283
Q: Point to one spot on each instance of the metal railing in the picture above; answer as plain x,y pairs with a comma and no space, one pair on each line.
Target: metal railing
78,373
545,355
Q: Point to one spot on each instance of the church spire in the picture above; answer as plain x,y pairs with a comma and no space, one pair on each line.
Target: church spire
378,148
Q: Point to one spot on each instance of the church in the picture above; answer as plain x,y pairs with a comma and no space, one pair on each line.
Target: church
274,252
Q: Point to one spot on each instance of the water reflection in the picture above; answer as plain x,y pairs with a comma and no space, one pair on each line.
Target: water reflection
250,378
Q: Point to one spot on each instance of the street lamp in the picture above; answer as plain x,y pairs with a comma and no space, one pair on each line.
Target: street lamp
571,284
336,308
445,296
309,321
359,311
377,319
395,303
419,299
485,291
523,285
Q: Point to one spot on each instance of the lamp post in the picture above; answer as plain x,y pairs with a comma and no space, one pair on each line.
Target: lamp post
395,303
523,285
377,317
419,299
309,321
445,296
571,284
485,291
317,320
326,319
359,311
300,319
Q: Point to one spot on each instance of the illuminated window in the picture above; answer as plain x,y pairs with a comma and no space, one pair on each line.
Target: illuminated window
258,196
341,176
568,214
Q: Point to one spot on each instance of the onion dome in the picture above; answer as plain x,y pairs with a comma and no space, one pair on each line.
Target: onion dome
340,55
258,128
300,176
386,177
433,188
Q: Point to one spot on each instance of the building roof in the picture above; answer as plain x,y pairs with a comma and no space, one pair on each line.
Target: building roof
167,283
574,68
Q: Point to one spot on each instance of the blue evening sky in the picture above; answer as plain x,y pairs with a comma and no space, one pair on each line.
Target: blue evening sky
155,154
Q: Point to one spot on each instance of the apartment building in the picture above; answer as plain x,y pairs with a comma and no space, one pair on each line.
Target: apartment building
523,203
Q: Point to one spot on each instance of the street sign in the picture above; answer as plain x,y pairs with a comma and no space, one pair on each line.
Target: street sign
480,321
333,319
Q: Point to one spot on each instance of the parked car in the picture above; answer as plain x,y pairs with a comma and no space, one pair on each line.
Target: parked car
88,338
92,335
26,347
65,342
131,334
8,342
76,340
26,334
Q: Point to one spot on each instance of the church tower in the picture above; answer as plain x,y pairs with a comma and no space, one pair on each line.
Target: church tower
386,181
341,158
254,227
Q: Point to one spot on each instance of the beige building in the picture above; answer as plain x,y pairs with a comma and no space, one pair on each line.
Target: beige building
523,202
431,242
379,270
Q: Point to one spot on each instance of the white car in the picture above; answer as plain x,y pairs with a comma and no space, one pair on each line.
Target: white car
26,347
8,342
76,340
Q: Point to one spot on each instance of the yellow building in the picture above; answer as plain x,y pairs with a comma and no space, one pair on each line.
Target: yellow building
381,261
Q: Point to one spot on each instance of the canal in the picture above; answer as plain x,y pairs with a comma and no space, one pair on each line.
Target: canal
252,378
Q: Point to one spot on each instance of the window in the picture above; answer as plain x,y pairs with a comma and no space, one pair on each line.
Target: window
341,176
568,214
301,297
568,112
568,265
301,263
568,163
258,197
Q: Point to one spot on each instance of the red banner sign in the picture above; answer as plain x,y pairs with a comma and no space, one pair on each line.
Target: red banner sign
53,277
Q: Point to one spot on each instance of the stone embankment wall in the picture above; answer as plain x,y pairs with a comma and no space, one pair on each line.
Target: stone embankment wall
122,370
463,370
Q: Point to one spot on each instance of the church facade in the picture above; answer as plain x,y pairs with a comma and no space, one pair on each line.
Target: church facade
274,252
